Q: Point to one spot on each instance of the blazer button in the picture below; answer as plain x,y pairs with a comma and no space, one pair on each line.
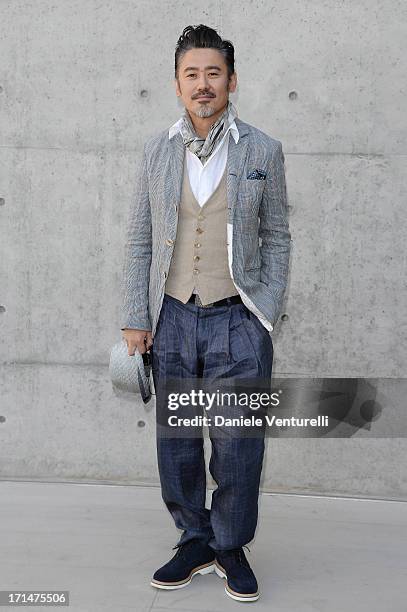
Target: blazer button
169,242
197,244
199,230
196,257
196,271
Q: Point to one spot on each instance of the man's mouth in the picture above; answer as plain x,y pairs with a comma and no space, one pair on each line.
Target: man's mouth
204,97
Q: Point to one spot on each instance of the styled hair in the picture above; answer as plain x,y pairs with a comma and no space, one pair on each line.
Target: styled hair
201,37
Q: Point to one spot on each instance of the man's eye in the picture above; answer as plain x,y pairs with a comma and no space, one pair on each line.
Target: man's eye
191,74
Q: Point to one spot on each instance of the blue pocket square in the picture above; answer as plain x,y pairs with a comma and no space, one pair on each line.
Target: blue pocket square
257,174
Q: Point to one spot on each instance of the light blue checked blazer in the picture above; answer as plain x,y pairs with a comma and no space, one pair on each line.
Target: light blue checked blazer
257,233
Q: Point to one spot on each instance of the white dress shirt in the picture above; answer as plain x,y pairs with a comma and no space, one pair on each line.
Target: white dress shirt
204,178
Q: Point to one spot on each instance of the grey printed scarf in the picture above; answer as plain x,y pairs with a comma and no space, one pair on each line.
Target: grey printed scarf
203,147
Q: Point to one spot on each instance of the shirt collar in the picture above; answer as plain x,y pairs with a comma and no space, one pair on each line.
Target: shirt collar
174,129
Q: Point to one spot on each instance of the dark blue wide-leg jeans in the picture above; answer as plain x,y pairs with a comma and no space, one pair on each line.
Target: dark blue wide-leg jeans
211,343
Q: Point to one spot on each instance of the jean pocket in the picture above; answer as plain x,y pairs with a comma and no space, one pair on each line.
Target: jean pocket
250,333
258,335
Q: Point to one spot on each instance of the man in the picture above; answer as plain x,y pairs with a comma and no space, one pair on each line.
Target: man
206,272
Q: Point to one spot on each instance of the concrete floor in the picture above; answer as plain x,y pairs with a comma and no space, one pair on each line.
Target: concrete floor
103,542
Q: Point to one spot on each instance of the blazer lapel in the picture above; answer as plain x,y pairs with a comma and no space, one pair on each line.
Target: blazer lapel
237,152
177,154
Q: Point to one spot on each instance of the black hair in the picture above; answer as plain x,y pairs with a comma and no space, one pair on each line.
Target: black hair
201,36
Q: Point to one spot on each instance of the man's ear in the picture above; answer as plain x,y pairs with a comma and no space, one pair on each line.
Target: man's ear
177,89
233,82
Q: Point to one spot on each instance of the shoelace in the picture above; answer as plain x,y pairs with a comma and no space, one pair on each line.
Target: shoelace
182,547
237,553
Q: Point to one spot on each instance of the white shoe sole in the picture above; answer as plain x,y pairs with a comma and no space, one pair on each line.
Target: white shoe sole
202,569
231,593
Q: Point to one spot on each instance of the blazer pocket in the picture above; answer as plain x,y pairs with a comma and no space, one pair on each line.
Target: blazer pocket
250,193
257,175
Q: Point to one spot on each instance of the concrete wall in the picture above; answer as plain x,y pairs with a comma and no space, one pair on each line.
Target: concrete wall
82,85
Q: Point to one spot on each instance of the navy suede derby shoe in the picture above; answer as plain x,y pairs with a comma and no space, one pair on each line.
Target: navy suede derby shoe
193,557
241,583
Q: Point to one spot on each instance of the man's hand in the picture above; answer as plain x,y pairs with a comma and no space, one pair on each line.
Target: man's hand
137,338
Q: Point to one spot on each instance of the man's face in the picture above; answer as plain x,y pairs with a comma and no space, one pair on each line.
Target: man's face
204,72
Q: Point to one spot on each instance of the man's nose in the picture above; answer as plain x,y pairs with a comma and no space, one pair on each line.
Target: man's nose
202,83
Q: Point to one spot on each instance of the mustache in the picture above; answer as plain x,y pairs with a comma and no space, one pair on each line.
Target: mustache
199,95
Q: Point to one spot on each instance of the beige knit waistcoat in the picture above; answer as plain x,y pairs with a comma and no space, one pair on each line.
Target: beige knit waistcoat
199,258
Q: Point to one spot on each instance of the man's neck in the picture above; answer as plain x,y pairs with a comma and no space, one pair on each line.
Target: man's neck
202,125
